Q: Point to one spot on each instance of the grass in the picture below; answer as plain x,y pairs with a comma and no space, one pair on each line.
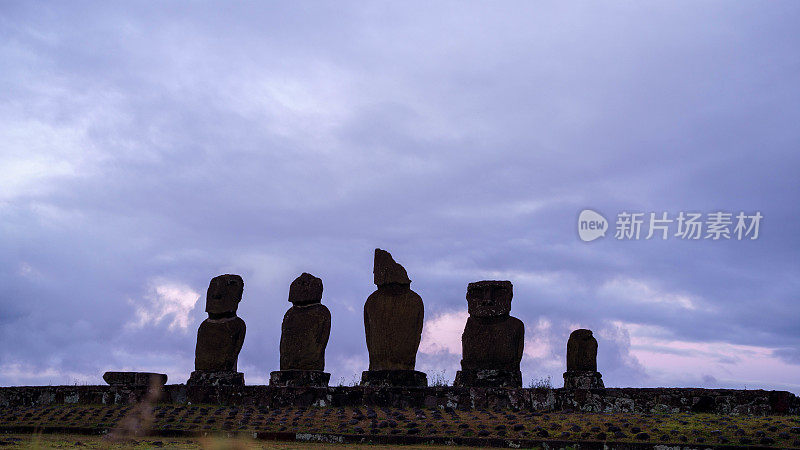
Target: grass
541,383
44,441
676,429
438,379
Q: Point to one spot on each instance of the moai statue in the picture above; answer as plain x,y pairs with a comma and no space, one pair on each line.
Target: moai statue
220,337
493,340
582,362
304,336
393,324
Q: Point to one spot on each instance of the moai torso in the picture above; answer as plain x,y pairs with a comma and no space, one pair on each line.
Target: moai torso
393,317
492,343
220,337
306,326
581,351
218,344
492,338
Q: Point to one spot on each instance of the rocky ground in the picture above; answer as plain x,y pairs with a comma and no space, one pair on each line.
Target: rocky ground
398,426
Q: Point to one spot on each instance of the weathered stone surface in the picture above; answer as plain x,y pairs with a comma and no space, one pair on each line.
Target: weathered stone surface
224,294
393,378
393,317
387,271
299,378
305,290
134,378
304,336
582,379
216,378
611,400
581,351
218,344
489,298
488,378
493,341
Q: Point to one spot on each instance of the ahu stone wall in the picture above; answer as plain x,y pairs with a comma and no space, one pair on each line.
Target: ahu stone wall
637,400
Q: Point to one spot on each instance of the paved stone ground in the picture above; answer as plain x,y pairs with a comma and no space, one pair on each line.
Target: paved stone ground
397,425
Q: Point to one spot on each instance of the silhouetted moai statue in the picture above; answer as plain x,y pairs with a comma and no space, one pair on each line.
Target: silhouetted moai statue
493,340
582,362
220,337
304,336
393,317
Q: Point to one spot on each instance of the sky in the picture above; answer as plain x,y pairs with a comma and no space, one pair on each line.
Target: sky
146,148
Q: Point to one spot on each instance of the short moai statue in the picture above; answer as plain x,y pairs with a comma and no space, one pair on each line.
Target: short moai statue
582,362
221,335
393,317
304,336
493,340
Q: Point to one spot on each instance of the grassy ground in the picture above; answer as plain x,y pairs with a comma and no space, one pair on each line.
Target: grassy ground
683,428
43,441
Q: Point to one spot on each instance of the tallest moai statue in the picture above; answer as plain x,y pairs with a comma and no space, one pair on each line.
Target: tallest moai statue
393,317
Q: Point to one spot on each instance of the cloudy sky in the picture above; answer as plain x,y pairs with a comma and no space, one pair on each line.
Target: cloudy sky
146,148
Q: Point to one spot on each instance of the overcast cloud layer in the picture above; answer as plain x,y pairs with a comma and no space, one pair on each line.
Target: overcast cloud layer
145,148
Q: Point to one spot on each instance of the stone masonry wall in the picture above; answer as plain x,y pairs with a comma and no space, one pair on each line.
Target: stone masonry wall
647,400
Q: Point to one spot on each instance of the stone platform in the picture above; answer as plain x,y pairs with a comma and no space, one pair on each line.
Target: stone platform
209,378
635,400
315,378
489,378
134,378
394,378
583,379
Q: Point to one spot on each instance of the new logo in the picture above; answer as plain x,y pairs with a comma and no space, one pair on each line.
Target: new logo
591,225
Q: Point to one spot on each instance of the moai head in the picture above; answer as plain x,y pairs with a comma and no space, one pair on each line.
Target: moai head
387,271
489,298
305,290
582,351
224,294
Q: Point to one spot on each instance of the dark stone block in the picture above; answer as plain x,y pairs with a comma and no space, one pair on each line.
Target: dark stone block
578,379
134,378
704,403
216,378
299,378
393,317
488,378
394,378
